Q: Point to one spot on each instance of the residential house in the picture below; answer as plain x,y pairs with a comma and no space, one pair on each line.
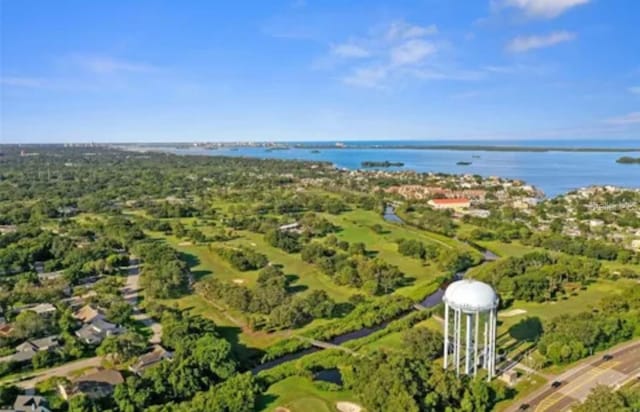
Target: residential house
95,327
46,276
157,354
42,309
635,244
94,332
95,383
29,403
28,349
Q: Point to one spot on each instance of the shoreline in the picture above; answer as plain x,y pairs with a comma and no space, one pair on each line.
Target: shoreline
346,146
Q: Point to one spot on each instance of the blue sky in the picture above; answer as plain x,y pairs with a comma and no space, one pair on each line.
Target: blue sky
115,71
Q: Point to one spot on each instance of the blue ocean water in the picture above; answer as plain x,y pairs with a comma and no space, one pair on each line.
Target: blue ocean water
553,172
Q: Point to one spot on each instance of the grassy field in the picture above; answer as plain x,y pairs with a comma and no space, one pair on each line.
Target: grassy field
355,227
298,394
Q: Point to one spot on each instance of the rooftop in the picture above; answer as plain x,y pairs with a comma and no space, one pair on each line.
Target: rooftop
470,295
450,201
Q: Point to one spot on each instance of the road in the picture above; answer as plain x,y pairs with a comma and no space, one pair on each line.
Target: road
131,292
578,381
62,370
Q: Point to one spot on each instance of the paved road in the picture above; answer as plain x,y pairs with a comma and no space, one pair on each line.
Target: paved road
578,381
131,291
62,370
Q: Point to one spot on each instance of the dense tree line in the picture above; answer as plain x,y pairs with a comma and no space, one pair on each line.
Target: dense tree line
271,304
202,372
352,266
385,382
606,399
537,276
242,259
596,249
164,274
568,338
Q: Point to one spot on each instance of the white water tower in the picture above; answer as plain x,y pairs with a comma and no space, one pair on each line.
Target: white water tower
471,307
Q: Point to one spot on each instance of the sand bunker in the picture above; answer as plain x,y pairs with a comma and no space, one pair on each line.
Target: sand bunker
512,312
184,244
238,281
348,407
281,409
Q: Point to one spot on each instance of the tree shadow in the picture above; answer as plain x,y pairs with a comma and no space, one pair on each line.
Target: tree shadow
342,309
371,253
193,261
297,288
265,401
408,281
528,329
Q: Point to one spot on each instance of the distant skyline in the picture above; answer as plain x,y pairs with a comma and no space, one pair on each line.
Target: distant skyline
304,70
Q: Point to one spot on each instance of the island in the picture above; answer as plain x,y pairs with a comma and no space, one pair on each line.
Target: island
463,163
315,151
627,160
386,163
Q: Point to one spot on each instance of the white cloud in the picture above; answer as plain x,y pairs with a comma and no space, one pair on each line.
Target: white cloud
411,52
634,90
109,65
627,119
370,77
349,50
524,43
17,81
542,8
402,30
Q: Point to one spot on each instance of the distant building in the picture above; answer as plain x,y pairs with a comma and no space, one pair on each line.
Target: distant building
455,204
8,229
635,244
596,223
481,213
95,383
510,377
149,359
6,330
45,276
291,227
42,309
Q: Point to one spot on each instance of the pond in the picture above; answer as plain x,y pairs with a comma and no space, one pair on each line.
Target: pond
329,375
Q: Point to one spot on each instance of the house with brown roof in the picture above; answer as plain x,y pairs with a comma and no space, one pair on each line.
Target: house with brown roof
157,354
95,383
95,327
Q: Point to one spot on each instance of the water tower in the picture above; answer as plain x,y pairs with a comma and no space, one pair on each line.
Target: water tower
471,307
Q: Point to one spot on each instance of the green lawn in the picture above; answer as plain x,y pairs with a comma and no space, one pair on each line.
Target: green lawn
356,227
299,394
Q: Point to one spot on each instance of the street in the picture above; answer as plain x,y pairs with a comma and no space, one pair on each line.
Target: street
576,383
